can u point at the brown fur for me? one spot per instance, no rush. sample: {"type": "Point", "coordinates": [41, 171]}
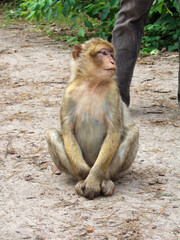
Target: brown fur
{"type": "Point", "coordinates": [95, 142]}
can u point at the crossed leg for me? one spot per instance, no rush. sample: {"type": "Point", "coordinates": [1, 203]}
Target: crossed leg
{"type": "Point", "coordinates": [57, 152]}
{"type": "Point", "coordinates": [122, 160]}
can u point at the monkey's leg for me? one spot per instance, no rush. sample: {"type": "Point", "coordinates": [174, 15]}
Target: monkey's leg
{"type": "Point", "coordinates": [57, 152]}
{"type": "Point", "coordinates": [122, 160]}
{"type": "Point", "coordinates": [125, 154]}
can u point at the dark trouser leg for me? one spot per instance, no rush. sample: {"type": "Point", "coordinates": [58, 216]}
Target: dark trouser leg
{"type": "Point", "coordinates": [179, 66]}
{"type": "Point", "coordinates": [179, 77]}
{"type": "Point", "coordinates": [126, 38]}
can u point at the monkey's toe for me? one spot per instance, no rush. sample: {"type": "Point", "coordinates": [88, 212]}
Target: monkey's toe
{"type": "Point", "coordinates": [107, 187]}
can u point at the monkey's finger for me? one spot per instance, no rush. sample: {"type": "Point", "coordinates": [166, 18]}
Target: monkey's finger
{"type": "Point", "coordinates": [79, 188]}
{"type": "Point", "coordinates": [91, 193]}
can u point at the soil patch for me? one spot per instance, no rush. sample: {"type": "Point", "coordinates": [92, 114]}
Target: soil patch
{"type": "Point", "coordinates": [36, 204]}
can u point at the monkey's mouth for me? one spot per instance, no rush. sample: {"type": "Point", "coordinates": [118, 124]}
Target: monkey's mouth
{"type": "Point", "coordinates": [112, 70]}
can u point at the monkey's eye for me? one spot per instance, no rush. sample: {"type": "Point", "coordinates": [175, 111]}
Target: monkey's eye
{"type": "Point", "coordinates": [104, 52]}
{"type": "Point", "coordinates": [112, 55]}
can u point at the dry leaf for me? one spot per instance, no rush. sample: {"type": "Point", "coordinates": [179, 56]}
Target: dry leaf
{"type": "Point", "coordinates": [89, 229]}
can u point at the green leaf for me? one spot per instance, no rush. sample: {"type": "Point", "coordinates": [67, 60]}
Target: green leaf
{"type": "Point", "coordinates": [50, 2]}
{"type": "Point", "coordinates": [104, 13]}
{"type": "Point", "coordinates": [90, 8]}
{"type": "Point", "coordinates": [175, 36]}
{"type": "Point", "coordinates": [97, 9]}
{"type": "Point", "coordinates": [74, 26]}
{"type": "Point", "coordinates": [114, 3]}
{"type": "Point", "coordinates": [33, 6]}
{"type": "Point", "coordinates": [175, 5]}
{"type": "Point", "coordinates": [49, 15]}
{"type": "Point", "coordinates": [81, 32]}
{"type": "Point", "coordinates": [74, 17]}
{"type": "Point", "coordinates": [55, 12]}
{"type": "Point", "coordinates": [71, 2]}
{"type": "Point", "coordinates": [154, 52]}
{"type": "Point", "coordinates": [31, 15]}
{"type": "Point", "coordinates": [42, 3]}
{"type": "Point", "coordinates": [70, 39]}
{"type": "Point", "coordinates": [102, 35]}
{"type": "Point", "coordinates": [46, 6]}
{"type": "Point", "coordinates": [88, 24]}
{"type": "Point", "coordinates": [172, 48]}
{"type": "Point", "coordinates": [159, 8]}
{"type": "Point", "coordinates": [38, 16]}
{"type": "Point", "coordinates": [23, 5]}
{"type": "Point", "coordinates": [66, 8]}
{"type": "Point", "coordinates": [157, 38]}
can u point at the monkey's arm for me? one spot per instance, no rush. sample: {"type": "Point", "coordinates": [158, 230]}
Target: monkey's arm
{"type": "Point", "coordinates": [106, 154]}
{"type": "Point", "coordinates": [71, 146]}
{"type": "Point", "coordinates": [114, 121]}
{"type": "Point", "coordinates": [91, 186]}
{"type": "Point", "coordinates": [74, 154]}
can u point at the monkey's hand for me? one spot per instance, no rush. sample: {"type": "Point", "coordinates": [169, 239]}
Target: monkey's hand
{"type": "Point", "coordinates": [89, 188]}
{"type": "Point", "coordinates": [107, 187]}
{"type": "Point", "coordinates": [83, 171]}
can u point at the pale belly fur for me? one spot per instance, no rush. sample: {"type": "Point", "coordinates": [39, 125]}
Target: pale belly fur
{"type": "Point", "coordinates": [90, 134]}
{"type": "Point", "coordinates": [90, 126]}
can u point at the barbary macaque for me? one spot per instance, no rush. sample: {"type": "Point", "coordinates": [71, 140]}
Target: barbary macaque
{"type": "Point", "coordinates": [94, 143]}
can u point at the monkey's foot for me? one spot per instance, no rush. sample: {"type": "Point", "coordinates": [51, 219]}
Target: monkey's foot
{"type": "Point", "coordinates": [107, 187]}
{"type": "Point", "coordinates": [88, 189]}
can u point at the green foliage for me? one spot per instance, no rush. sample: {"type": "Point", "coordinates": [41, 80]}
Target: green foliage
{"type": "Point", "coordinates": [41, 9]}
{"type": "Point", "coordinates": [163, 28]}
{"type": "Point", "coordinates": [12, 9]}
{"type": "Point", "coordinates": [97, 18]}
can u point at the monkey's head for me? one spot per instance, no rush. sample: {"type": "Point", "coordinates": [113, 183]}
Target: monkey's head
{"type": "Point", "coordinates": [94, 59]}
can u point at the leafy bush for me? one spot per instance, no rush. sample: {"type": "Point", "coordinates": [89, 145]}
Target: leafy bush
{"type": "Point", "coordinates": [97, 18]}
{"type": "Point", "coordinates": [12, 8]}
{"type": "Point", "coordinates": [48, 9]}
{"type": "Point", "coordinates": [163, 28]}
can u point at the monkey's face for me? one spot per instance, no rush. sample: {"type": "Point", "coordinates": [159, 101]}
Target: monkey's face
{"type": "Point", "coordinates": [104, 62]}
{"type": "Point", "coordinates": [95, 59]}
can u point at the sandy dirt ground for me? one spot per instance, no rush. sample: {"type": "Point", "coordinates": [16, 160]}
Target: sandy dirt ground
{"type": "Point", "coordinates": [36, 204]}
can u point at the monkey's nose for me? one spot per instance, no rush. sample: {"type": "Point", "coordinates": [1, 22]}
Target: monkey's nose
{"type": "Point", "coordinates": [113, 62]}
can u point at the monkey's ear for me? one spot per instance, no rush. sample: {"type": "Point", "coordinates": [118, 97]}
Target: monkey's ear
{"type": "Point", "coordinates": [76, 52]}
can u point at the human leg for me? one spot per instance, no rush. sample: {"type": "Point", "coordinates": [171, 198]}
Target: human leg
{"type": "Point", "coordinates": [126, 38]}
{"type": "Point", "coordinates": [179, 66]}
